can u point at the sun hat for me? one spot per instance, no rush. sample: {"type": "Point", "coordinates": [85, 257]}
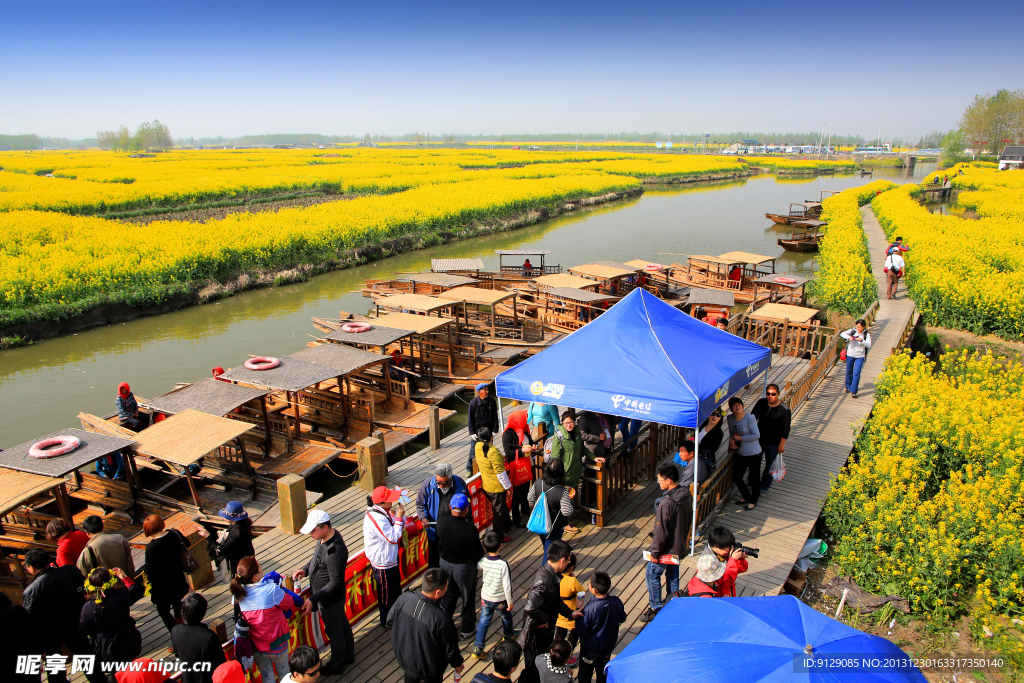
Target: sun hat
{"type": "Point", "coordinates": [382, 494]}
{"type": "Point", "coordinates": [234, 511]}
{"type": "Point", "coordinates": [459, 502]}
{"type": "Point", "coordinates": [709, 567]}
{"type": "Point", "coordinates": [314, 518]}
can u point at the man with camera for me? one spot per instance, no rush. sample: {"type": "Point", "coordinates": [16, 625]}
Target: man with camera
{"type": "Point", "coordinates": [718, 566]}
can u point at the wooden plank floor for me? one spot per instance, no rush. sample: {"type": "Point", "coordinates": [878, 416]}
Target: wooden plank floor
{"type": "Point", "coordinates": [821, 441]}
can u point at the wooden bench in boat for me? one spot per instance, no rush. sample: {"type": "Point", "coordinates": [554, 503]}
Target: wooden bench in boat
{"type": "Point", "coordinates": [105, 494]}
{"type": "Point", "coordinates": [302, 463]}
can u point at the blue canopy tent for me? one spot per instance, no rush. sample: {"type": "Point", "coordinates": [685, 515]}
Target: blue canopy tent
{"type": "Point", "coordinates": [641, 359]}
{"type": "Point", "coordinates": [762, 639]}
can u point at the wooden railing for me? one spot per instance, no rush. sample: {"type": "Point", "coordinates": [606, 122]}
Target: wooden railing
{"type": "Point", "coordinates": [783, 337]}
{"type": "Point", "coordinates": [908, 332]}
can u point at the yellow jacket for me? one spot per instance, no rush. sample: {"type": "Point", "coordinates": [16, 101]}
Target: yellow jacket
{"type": "Point", "coordinates": [491, 464]}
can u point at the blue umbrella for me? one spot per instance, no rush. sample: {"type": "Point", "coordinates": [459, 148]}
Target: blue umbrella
{"type": "Point", "coordinates": [772, 638]}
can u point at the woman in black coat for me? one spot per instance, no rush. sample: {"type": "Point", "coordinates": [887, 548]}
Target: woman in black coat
{"type": "Point", "coordinates": [164, 569]}
{"type": "Point", "coordinates": [238, 542]}
{"type": "Point", "coordinates": [106, 618]}
{"type": "Point", "coordinates": [711, 435]}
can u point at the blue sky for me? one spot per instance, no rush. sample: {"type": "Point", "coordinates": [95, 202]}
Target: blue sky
{"type": "Point", "coordinates": [231, 68]}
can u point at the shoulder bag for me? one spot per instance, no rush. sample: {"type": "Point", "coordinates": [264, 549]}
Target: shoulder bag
{"type": "Point", "coordinates": [189, 564]}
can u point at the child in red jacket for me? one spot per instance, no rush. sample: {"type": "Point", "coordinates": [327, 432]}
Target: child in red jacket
{"type": "Point", "coordinates": [718, 566]}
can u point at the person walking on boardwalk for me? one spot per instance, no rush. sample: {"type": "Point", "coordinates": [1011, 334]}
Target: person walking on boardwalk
{"type": "Point", "coordinates": [599, 628]}
{"type": "Point", "coordinates": [495, 594]}
{"type": "Point", "coordinates": [54, 604]}
{"type": "Point", "coordinates": [744, 439]}
{"type": "Point", "coordinates": [106, 619]}
{"type": "Point", "coordinates": [328, 592]}
{"type": "Point", "coordinates": [433, 502]}
{"type": "Point", "coordinates": [894, 265]}
{"type": "Point", "coordinates": [495, 482]}
{"type": "Point", "coordinates": [104, 550]}
{"type": "Point", "coordinates": [543, 605]}
{"type": "Point", "coordinates": [773, 423]}
{"type": "Point", "coordinates": [422, 635]}
{"type": "Point", "coordinates": [551, 490]}
{"type": "Point", "coordinates": [237, 541]}
{"type": "Point", "coordinates": [164, 569]}
{"type": "Point", "coordinates": [517, 443]}
{"type": "Point", "coordinates": [483, 412]}
{"type": "Point", "coordinates": [264, 604]}
{"type": "Point", "coordinates": [382, 536]}
{"type": "Point", "coordinates": [567, 446]}
{"type": "Point", "coordinates": [195, 642]}
{"type": "Point", "coordinates": [671, 537]}
{"type": "Point", "coordinates": [458, 544]}
{"type": "Point", "coordinates": [858, 341]}
{"type": "Point", "coordinates": [505, 659]}
{"type": "Point", "coordinates": [70, 541]}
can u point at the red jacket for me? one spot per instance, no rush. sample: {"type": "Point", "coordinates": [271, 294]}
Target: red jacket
{"type": "Point", "coordinates": [725, 587]}
{"type": "Point", "coordinates": [70, 547]}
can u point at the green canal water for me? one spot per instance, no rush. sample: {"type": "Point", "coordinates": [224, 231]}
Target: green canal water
{"type": "Point", "coordinates": [44, 386]}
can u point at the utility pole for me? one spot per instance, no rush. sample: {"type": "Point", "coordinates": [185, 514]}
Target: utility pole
{"type": "Point", "coordinates": [829, 148]}
{"type": "Point", "coordinates": [821, 138]}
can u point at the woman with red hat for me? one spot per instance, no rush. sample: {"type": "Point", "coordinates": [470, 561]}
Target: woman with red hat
{"type": "Point", "coordinates": [382, 535]}
{"type": "Point", "coordinates": [128, 409]}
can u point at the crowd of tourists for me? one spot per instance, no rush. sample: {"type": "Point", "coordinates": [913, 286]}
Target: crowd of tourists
{"type": "Point", "coordinates": [82, 600]}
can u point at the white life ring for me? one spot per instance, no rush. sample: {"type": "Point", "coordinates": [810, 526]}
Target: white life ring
{"type": "Point", "coordinates": [653, 267]}
{"type": "Point", "coordinates": [41, 449]}
{"type": "Point", "coordinates": [785, 280]}
{"type": "Point", "coordinates": [356, 328]}
{"type": "Point", "coordinates": [262, 363]}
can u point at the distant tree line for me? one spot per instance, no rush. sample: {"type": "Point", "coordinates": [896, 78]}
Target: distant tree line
{"type": "Point", "coordinates": [32, 141]}
{"type": "Point", "coordinates": [149, 135]}
{"type": "Point", "coordinates": [989, 123]}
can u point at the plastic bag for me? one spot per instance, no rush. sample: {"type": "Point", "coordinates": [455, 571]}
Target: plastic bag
{"type": "Point", "coordinates": [540, 521]}
{"type": "Point", "coordinates": [778, 469]}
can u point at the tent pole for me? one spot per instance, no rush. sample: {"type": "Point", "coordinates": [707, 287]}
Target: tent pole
{"type": "Point", "coordinates": [764, 388]}
{"type": "Point", "coordinates": [501, 416]}
{"type": "Point", "coordinates": [696, 483]}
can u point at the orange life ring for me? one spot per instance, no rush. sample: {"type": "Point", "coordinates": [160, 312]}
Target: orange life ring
{"type": "Point", "coordinates": [356, 328]}
{"type": "Point", "coordinates": [785, 280]}
{"type": "Point", "coordinates": [262, 363]}
{"type": "Point", "coordinates": [41, 449]}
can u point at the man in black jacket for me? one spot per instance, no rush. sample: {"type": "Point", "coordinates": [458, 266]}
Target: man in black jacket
{"type": "Point", "coordinates": [54, 603]}
{"type": "Point", "coordinates": [543, 605]}
{"type": "Point", "coordinates": [773, 422]}
{"type": "Point", "coordinates": [326, 571]}
{"type": "Point", "coordinates": [671, 537]}
{"type": "Point", "coordinates": [458, 544]}
{"type": "Point", "coordinates": [483, 412]}
{"type": "Point", "coordinates": [422, 635]}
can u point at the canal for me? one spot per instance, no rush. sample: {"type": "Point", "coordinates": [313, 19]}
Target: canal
{"type": "Point", "coordinates": [44, 386]}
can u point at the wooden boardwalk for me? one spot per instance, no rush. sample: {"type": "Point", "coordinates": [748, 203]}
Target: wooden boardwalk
{"type": "Point", "coordinates": [820, 442]}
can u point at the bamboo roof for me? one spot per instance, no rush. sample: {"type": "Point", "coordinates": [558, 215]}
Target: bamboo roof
{"type": "Point", "coordinates": [641, 264]}
{"type": "Point", "coordinates": [725, 259]}
{"type": "Point", "coordinates": [18, 487]}
{"type": "Point", "coordinates": [475, 295]}
{"type": "Point", "coordinates": [344, 359]}
{"type": "Point", "coordinates": [441, 279]}
{"type": "Point", "coordinates": [603, 271]}
{"type": "Point", "coordinates": [711, 297]}
{"type": "Point", "coordinates": [444, 265]}
{"type": "Point", "coordinates": [796, 314]}
{"type": "Point", "coordinates": [291, 375]}
{"type": "Point", "coordinates": [184, 438]}
{"type": "Point", "coordinates": [746, 257]}
{"type": "Point", "coordinates": [769, 279]}
{"type": "Point", "coordinates": [578, 295]}
{"type": "Point", "coordinates": [414, 302]}
{"type": "Point", "coordinates": [522, 252]}
{"type": "Point", "coordinates": [564, 280]}
{"type": "Point", "coordinates": [377, 335]}
{"type": "Point", "coordinates": [208, 396]}
{"type": "Point", "coordinates": [420, 324]}
{"type": "Point", "coordinates": [93, 447]}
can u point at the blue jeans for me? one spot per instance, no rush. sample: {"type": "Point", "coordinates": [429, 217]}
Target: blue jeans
{"type": "Point", "coordinates": [629, 428]}
{"type": "Point", "coordinates": [770, 453]}
{"type": "Point", "coordinates": [654, 572]}
{"type": "Point", "coordinates": [853, 366]}
{"type": "Point", "coordinates": [487, 610]}
{"type": "Point", "coordinates": [547, 540]}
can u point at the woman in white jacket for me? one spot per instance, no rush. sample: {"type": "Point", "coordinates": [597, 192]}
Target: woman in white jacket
{"type": "Point", "coordinates": [858, 341]}
{"type": "Point", "coordinates": [383, 524]}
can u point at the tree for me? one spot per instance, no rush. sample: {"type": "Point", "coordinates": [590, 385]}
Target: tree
{"type": "Point", "coordinates": [953, 148]}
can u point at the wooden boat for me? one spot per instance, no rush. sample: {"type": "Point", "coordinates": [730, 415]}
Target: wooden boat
{"type": "Point", "coordinates": [805, 237]}
{"type": "Point", "coordinates": [797, 211]}
{"type": "Point", "coordinates": [781, 288]}
{"type": "Point", "coordinates": [564, 309]}
{"type": "Point", "coordinates": [519, 270]}
{"type": "Point", "coordinates": [866, 171]}
{"type": "Point", "coordinates": [710, 304]}
{"type": "Point", "coordinates": [614, 278]}
{"type": "Point", "coordinates": [734, 271]}
{"type": "Point", "coordinates": [418, 283]}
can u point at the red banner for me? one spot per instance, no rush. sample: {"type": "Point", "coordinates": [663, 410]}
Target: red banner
{"type": "Point", "coordinates": [483, 511]}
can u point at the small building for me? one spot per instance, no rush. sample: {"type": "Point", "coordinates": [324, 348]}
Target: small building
{"type": "Point", "coordinates": [1011, 158]}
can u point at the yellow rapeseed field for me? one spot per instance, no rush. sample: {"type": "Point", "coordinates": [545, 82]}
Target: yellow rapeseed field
{"type": "Point", "coordinates": [965, 273]}
{"type": "Point", "coordinates": [932, 507]}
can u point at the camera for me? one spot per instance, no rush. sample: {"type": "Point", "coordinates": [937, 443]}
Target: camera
{"type": "Point", "coordinates": [751, 552]}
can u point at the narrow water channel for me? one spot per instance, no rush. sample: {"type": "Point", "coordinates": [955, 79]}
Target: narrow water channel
{"type": "Point", "coordinates": [44, 386]}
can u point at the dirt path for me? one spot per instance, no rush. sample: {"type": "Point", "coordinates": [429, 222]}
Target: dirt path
{"type": "Point", "coordinates": [204, 215]}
